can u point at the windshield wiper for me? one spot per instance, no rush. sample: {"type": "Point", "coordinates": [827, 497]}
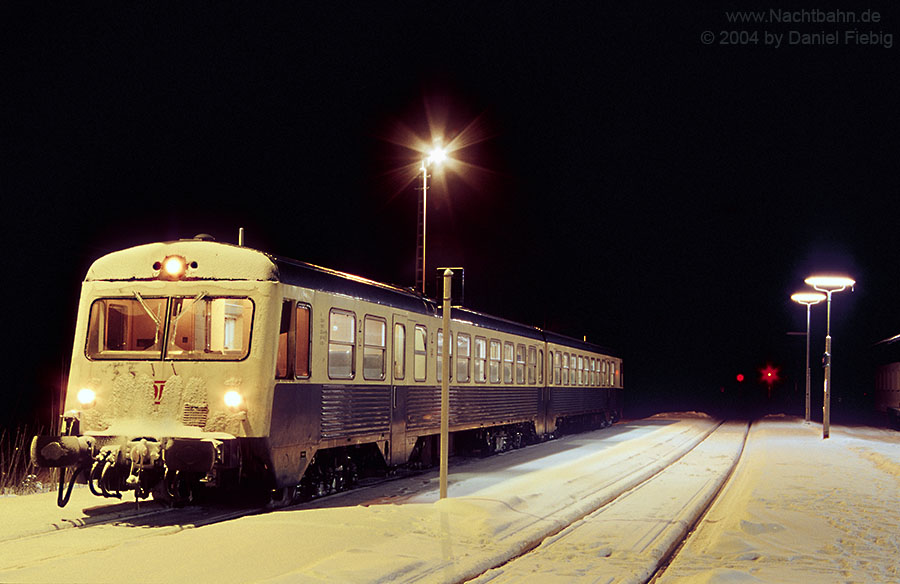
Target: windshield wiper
{"type": "Point", "coordinates": [156, 319]}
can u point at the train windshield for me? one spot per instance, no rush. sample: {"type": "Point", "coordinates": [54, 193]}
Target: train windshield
{"type": "Point", "coordinates": [182, 328]}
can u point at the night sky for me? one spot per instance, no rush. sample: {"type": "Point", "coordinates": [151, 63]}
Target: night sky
{"type": "Point", "coordinates": [625, 180]}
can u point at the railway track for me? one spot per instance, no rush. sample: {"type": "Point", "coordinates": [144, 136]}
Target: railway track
{"type": "Point", "coordinates": [505, 517]}
{"type": "Point", "coordinates": [633, 537]}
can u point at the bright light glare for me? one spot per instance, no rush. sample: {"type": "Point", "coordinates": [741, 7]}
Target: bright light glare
{"type": "Point", "coordinates": [808, 297]}
{"type": "Point", "coordinates": [832, 283]}
{"type": "Point", "coordinates": [86, 396]}
{"type": "Point", "coordinates": [174, 266]}
{"type": "Point", "coordinates": [233, 399]}
{"type": "Point", "coordinates": [437, 156]}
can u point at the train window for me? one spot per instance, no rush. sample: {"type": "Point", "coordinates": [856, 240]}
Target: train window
{"type": "Point", "coordinates": [557, 377]}
{"type": "Point", "coordinates": [580, 370]}
{"type": "Point", "coordinates": [495, 361]}
{"type": "Point", "coordinates": [520, 364]}
{"type": "Point", "coordinates": [593, 371]}
{"type": "Point", "coordinates": [281, 362]}
{"type": "Point", "coordinates": [204, 327]}
{"type": "Point", "coordinates": [439, 359]}
{"type": "Point", "coordinates": [540, 367]}
{"type": "Point", "coordinates": [126, 328]}
{"type": "Point", "coordinates": [341, 344]}
{"type": "Point", "coordinates": [532, 365]}
{"type": "Point", "coordinates": [565, 369]}
{"type": "Point", "coordinates": [399, 351]}
{"type": "Point", "coordinates": [463, 346]}
{"type": "Point", "coordinates": [508, 356]}
{"type": "Point", "coordinates": [374, 347]}
{"type": "Point", "coordinates": [480, 358]}
{"type": "Point", "coordinates": [301, 348]}
{"type": "Point", "coordinates": [604, 379]}
{"type": "Point", "coordinates": [420, 360]}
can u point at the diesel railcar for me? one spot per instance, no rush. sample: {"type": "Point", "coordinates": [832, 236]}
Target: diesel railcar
{"type": "Point", "coordinates": [198, 363]}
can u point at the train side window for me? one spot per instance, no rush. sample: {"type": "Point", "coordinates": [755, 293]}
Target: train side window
{"type": "Point", "coordinates": [341, 344]}
{"type": "Point", "coordinates": [520, 364]}
{"type": "Point", "coordinates": [593, 371]}
{"type": "Point", "coordinates": [580, 370]}
{"type": "Point", "coordinates": [480, 358]}
{"type": "Point", "coordinates": [495, 361]}
{"type": "Point", "coordinates": [439, 359]}
{"type": "Point", "coordinates": [565, 369]}
{"type": "Point", "coordinates": [399, 350]}
{"type": "Point", "coordinates": [557, 376]}
{"type": "Point", "coordinates": [603, 374]}
{"type": "Point", "coordinates": [282, 367]}
{"type": "Point", "coordinates": [532, 365]}
{"type": "Point", "coordinates": [540, 367]}
{"type": "Point", "coordinates": [420, 358]}
{"type": "Point", "coordinates": [463, 347]}
{"type": "Point", "coordinates": [301, 348]}
{"type": "Point", "coordinates": [508, 359]}
{"type": "Point", "coordinates": [374, 347]}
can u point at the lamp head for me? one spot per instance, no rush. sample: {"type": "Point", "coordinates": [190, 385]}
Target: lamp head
{"type": "Point", "coordinates": [808, 298]}
{"type": "Point", "coordinates": [830, 283]}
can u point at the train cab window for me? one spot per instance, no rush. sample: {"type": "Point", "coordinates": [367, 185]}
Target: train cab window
{"type": "Point", "coordinates": [374, 347]}
{"type": "Point", "coordinates": [508, 359]}
{"type": "Point", "coordinates": [209, 328]}
{"type": "Point", "coordinates": [399, 351]}
{"type": "Point", "coordinates": [532, 365]}
{"type": "Point", "coordinates": [121, 328]}
{"type": "Point", "coordinates": [557, 376]}
{"type": "Point", "coordinates": [439, 359]}
{"type": "Point", "coordinates": [463, 348]}
{"type": "Point", "coordinates": [420, 358]}
{"type": "Point", "coordinates": [281, 362]}
{"type": "Point", "coordinates": [301, 346]}
{"type": "Point", "coordinates": [540, 367]}
{"type": "Point", "coordinates": [520, 364]}
{"type": "Point", "coordinates": [565, 369]}
{"type": "Point", "coordinates": [341, 344]}
{"type": "Point", "coordinates": [495, 361]}
{"type": "Point", "coordinates": [480, 358]}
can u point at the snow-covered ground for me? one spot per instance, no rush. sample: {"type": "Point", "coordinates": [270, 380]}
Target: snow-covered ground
{"type": "Point", "coordinates": [803, 509]}
{"type": "Point", "coordinates": [797, 509]}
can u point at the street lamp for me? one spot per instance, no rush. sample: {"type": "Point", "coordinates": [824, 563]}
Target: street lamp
{"type": "Point", "coordinates": [807, 298]}
{"type": "Point", "coordinates": [436, 157]}
{"type": "Point", "coordinates": [828, 284]}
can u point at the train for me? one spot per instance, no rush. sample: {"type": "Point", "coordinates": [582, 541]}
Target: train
{"type": "Point", "coordinates": [886, 354]}
{"type": "Point", "coordinates": [201, 364]}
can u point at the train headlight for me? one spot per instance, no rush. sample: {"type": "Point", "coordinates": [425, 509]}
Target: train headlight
{"type": "Point", "coordinates": [174, 267]}
{"type": "Point", "coordinates": [234, 400]}
{"type": "Point", "coordinates": [86, 397]}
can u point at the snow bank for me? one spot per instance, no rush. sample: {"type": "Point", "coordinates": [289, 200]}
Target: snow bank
{"type": "Point", "coordinates": [803, 509]}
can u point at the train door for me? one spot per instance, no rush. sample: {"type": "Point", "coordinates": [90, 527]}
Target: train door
{"type": "Point", "coordinates": [401, 373]}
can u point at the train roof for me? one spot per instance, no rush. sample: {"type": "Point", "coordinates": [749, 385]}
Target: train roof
{"type": "Point", "coordinates": [206, 260]}
{"type": "Point", "coordinates": [312, 276]}
{"type": "Point", "coordinates": [211, 260]}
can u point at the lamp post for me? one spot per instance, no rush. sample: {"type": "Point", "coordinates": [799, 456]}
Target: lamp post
{"type": "Point", "coordinates": [436, 157]}
{"type": "Point", "coordinates": [828, 284]}
{"type": "Point", "coordinates": [807, 298]}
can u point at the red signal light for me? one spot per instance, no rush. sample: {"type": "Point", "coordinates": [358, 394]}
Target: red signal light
{"type": "Point", "coordinates": [769, 375]}
{"type": "Point", "coordinates": [740, 377]}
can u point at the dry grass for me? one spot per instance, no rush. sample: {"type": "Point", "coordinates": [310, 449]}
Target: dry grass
{"type": "Point", "coordinates": [18, 475]}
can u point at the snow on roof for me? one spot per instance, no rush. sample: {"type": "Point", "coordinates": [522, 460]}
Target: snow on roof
{"type": "Point", "coordinates": [207, 260]}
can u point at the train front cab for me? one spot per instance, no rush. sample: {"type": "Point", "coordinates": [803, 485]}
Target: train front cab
{"type": "Point", "coordinates": [169, 386]}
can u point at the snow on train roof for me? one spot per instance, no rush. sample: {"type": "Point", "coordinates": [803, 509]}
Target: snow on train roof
{"type": "Point", "coordinates": [206, 260]}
